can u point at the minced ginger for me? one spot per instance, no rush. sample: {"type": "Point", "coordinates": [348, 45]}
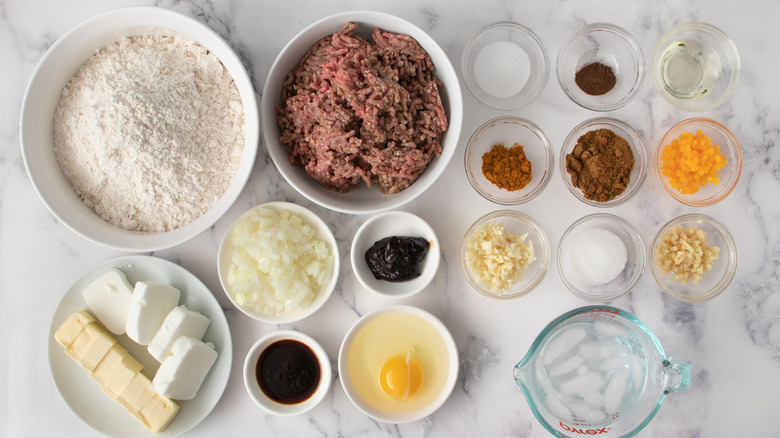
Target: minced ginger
{"type": "Point", "coordinates": [691, 161]}
{"type": "Point", "coordinates": [498, 258]}
{"type": "Point", "coordinates": [685, 252]}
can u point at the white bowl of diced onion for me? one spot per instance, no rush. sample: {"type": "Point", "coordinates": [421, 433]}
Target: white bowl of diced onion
{"type": "Point", "coordinates": [278, 262]}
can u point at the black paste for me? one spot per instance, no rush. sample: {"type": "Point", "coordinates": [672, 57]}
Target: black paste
{"type": "Point", "coordinates": [288, 371]}
{"type": "Point", "coordinates": [397, 258]}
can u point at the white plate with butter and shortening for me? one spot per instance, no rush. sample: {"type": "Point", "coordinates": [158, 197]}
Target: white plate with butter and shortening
{"type": "Point", "coordinates": [85, 397]}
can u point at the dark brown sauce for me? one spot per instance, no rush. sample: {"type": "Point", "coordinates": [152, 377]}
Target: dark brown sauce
{"type": "Point", "coordinates": [288, 371]}
{"type": "Point", "coordinates": [397, 258]}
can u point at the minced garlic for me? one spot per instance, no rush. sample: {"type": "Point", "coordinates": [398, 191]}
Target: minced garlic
{"type": "Point", "coordinates": [685, 252]}
{"type": "Point", "coordinates": [498, 258]}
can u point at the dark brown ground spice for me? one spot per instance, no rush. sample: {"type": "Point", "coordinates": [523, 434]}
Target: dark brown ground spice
{"type": "Point", "coordinates": [600, 165]}
{"type": "Point", "coordinates": [508, 169]}
{"type": "Point", "coordinates": [595, 79]}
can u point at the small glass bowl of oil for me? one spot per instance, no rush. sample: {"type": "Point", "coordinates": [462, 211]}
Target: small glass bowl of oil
{"type": "Point", "coordinates": [696, 66]}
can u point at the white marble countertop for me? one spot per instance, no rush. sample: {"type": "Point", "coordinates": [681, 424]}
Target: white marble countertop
{"type": "Point", "coordinates": [733, 340]}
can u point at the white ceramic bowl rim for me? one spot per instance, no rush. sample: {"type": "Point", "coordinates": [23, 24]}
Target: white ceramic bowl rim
{"type": "Point", "coordinates": [257, 394]}
{"type": "Point", "coordinates": [360, 200]}
{"type": "Point", "coordinates": [446, 337]}
{"type": "Point", "coordinates": [56, 68]}
{"type": "Point", "coordinates": [323, 232]}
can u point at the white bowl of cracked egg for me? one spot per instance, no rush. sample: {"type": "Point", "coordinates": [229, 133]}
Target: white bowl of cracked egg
{"type": "Point", "coordinates": [179, 203]}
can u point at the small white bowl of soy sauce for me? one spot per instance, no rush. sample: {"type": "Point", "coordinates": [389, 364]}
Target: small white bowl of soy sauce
{"type": "Point", "coordinates": [287, 373]}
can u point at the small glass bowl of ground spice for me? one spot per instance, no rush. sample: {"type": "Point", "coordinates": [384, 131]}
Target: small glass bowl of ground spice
{"type": "Point", "coordinates": [694, 258]}
{"type": "Point", "coordinates": [509, 160]}
{"type": "Point", "coordinates": [505, 65]}
{"type": "Point", "coordinates": [505, 254]}
{"type": "Point", "coordinates": [699, 162]}
{"type": "Point", "coordinates": [601, 67]}
{"type": "Point", "coordinates": [403, 231]}
{"type": "Point", "coordinates": [600, 257]}
{"type": "Point", "coordinates": [603, 162]}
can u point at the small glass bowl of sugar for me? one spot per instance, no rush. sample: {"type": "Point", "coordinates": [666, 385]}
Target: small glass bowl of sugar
{"type": "Point", "coordinates": [505, 65]}
{"type": "Point", "coordinates": [600, 257]}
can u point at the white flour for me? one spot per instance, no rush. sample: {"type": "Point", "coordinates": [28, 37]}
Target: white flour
{"type": "Point", "coordinates": [150, 132]}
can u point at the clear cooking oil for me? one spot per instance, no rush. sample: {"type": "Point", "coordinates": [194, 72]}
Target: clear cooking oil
{"type": "Point", "coordinates": [689, 69]}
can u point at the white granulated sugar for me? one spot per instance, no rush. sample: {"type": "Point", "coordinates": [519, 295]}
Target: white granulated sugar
{"type": "Point", "coordinates": [502, 69]}
{"type": "Point", "coordinates": [150, 132]}
{"type": "Point", "coordinates": [599, 256]}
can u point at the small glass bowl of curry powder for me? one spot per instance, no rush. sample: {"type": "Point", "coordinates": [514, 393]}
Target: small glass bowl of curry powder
{"type": "Point", "coordinates": [509, 160]}
{"type": "Point", "coordinates": [603, 162]}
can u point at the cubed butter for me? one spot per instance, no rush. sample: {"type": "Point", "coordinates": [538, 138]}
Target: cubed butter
{"type": "Point", "coordinates": [118, 373]}
{"type": "Point", "coordinates": [83, 341]}
{"type": "Point", "coordinates": [179, 322]}
{"type": "Point", "coordinates": [138, 392]}
{"type": "Point", "coordinates": [113, 356]}
{"type": "Point", "coordinates": [67, 332]}
{"type": "Point", "coordinates": [121, 375]}
{"type": "Point", "coordinates": [183, 371]}
{"type": "Point", "coordinates": [108, 297]}
{"type": "Point", "coordinates": [150, 303]}
{"type": "Point", "coordinates": [159, 412]}
{"type": "Point", "coordinates": [95, 353]}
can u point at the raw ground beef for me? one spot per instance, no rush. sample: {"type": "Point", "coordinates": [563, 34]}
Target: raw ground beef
{"type": "Point", "coordinates": [358, 110]}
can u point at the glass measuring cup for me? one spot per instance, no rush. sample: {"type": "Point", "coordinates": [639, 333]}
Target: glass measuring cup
{"type": "Point", "coordinates": [598, 370]}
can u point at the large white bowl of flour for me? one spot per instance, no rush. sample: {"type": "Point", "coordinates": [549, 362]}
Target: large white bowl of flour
{"type": "Point", "coordinates": [40, 103]}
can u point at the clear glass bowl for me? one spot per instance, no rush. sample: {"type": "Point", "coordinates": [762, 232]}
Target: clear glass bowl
{"type": "Point", "coordinates": [527, 40]}
{"type": "Point", "coordinates": [715, 280]}
{"type": "Point", "coordinates": [696, 66]}
{"type": "Point", "coordinates": [710, 193]}
{"type": "Point", "coordinates": [519, 224]}
{"type": "Point", "coordinates": [638, 173]}
{"type": "Point", "coordinates": [510, 130]}
{"type": "Point", "coordinates": [609, 45]}
{"type": "Point", "coordinates": [570, 269]}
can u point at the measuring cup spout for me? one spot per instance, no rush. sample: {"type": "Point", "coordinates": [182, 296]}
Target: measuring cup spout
{"type": "Point", "coordinates": [678, 375]}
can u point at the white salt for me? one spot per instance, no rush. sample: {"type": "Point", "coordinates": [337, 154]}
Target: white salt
{"type": "Point", "coordinates": [502, 69]}
{"type": "Point", "coordinates": [598, 255]}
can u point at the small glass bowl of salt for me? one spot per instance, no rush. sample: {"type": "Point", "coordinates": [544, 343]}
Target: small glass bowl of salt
{"type": "Point", "coordinates": [600, 257]}
{"type": "Point", "coordinates": [505, 65]}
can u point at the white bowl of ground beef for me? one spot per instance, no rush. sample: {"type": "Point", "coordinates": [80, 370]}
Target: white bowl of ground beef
{"type": "Point", "coordinates": [330, 162]}
{"type": "Point", "coordinates": [139, 128]}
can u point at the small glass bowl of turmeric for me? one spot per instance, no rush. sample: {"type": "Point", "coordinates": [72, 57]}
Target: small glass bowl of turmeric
{"type": "Point", "coordinates": [693, 258]}
{"type": "Point", "coordinates": [699, 162]}
{"type": "Point", "coordinates": [509, 160]}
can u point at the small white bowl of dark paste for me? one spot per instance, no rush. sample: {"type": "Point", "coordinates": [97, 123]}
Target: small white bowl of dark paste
{"type": "Point", "coordinates": [395, 254]}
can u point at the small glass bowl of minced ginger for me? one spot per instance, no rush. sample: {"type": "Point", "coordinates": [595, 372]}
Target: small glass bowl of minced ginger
{"type": "Point", "coordinates": [514, 262]}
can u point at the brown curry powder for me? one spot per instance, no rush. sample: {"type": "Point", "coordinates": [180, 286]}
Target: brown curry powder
{"type": "Point", "coordinates": [507, 168]}
{"type": "Point", "coordinates": [600, 165]}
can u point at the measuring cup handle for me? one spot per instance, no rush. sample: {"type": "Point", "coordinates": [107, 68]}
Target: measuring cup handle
{"type": "Point", "coordinates": [678, 375]}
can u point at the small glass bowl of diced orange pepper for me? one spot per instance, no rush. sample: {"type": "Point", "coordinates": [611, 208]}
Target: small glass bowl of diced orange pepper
{"type": "Point", "coordinates": [699, 162]}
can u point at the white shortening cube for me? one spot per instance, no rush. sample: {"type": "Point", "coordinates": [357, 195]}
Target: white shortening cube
{"type": "Point", "coordinates": [183, 371]}
{"type": "Point", "coordinates": [149, 305]}
{"type": "Point", "coordinates": [180, 321]}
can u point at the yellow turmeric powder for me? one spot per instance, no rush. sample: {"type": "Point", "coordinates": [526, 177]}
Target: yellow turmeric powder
{"type": "Point", "coordinates": [508, 169]}
{"type": "Point", "coordinates": [691, 161]}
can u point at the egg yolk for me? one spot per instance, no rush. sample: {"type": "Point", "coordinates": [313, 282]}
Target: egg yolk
{"type": "Point", "coordinates": [401, 376]}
